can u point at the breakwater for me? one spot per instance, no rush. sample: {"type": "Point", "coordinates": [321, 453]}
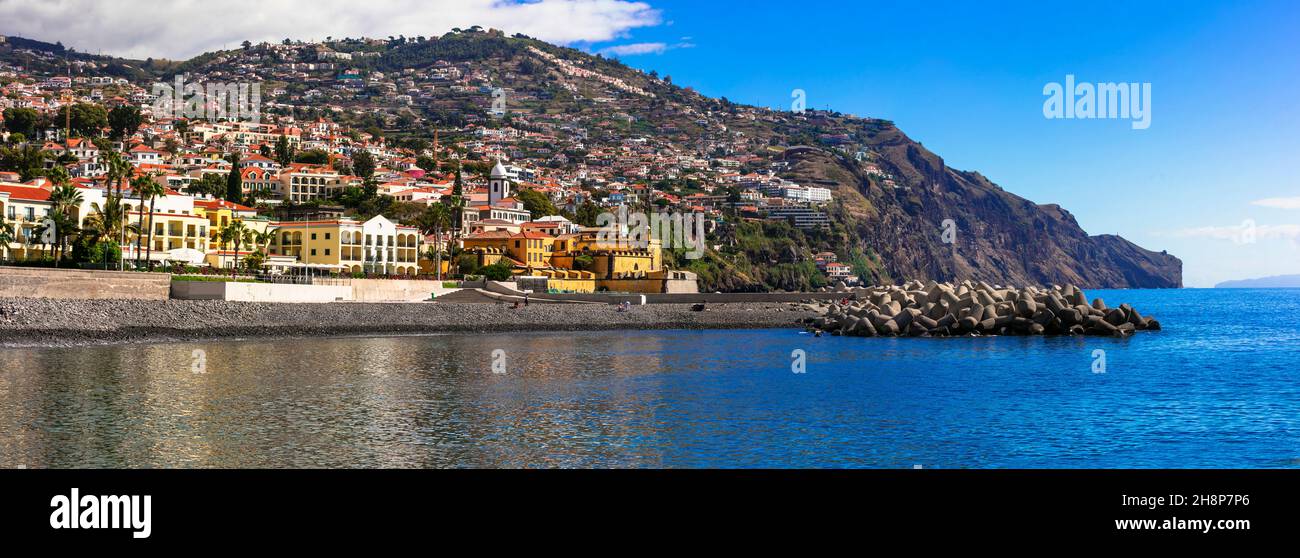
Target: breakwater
{"type": "Point", "coordinates": [944, 309]}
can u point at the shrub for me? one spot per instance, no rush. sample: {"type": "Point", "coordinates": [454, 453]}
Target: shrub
{"type": "Point", "coordinates": [499, 271]}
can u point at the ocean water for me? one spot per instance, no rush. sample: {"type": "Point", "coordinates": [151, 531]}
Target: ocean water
{"type": "Point", "coordinates": [1217, 388]}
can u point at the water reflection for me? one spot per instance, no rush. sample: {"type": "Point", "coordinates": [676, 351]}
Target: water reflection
{"type": "Point", "coordinates": [1206, 396]}
{"type": "Point", "coordinates": [412, 401]}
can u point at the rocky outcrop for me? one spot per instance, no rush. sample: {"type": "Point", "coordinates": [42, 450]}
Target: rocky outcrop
{"type": "Point", "coordinates": [974, 308]}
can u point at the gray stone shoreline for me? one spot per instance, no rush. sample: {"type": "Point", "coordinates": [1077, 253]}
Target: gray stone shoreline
{"type": "Point", "coordinates": [63, 323]}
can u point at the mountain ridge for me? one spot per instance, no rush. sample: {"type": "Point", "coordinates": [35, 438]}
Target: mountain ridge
{"type": "Point", "coordinates": [1272, 282]}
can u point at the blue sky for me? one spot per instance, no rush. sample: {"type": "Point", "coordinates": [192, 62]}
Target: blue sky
{"type": "Point", "coordinates": [966, 79]}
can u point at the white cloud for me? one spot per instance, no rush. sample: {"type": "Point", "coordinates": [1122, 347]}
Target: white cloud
{"type": "Point", "coordinates": [635, 49]}
{"type": "Point", "coordinates": [1278, 203]}
{"type": "Point", "coordinates": [184, 28]}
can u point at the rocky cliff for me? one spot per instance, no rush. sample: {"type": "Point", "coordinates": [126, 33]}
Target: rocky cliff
{"type": "Point", "coordinates": [897, 205]}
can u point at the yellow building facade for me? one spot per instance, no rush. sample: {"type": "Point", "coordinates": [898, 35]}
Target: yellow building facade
{"type": "Point", "coordinates": [580, 262]}
{"type": "Point", "coordinates": [376, 246]}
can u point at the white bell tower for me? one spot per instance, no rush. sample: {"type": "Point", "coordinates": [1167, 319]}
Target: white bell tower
{"type": "Point", "coordinates": [498, 184]}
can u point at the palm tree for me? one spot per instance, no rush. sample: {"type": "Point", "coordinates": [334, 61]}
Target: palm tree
{"type": "Point", "coordinates": [6, 236]}
{"type": "Point", "coordinates": [225, 236]}
{"type": "Point", "coordinates": [148, 190]}
{"type": "Point", "coordinates": [261, 241]}
{"type": "Point", "coordinates": [434, 220]}
{"type": "Point", "coordinates": [119, 170]}
{"type": "Point", "coordinates": [39, 233]}
{"type": "Point", "coordinates": [66, 200]}
{"type": "Point", "coordinates": [237, 235]}
{"type": "Point", "coordinates": [250, 240]}
{"type": "Point", "coordinates": [110, 221]}
{"type": "Point", "coordinates": [457, 213]}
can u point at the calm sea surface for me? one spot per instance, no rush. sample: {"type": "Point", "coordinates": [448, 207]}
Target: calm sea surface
{"type": "Point", "coordinates": [1219, 387]}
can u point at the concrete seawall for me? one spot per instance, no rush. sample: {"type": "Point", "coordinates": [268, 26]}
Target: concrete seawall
{"type": "Point", "coordinates": [352, 290]}
{"type": "Point", "coordinates": [78, 284]}
{"type": "Point", "coordinates": [258, 292]}
{"type": "Point", "coordinates": [28, 322]}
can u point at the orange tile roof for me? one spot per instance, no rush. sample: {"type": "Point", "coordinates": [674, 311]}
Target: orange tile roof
{"type": "Point", "coordinates": [25, 192]}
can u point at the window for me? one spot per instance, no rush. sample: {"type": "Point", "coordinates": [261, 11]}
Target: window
{"type": "Point", "coordinates": [313, 236]}
{"type": "Point", "coordinates": [327, 237]}
{"type": "Point", "coordinates": [31, 213]}
{"type": "Point", "coordinates": [327, 251]}
{"type": "Point", "coordinates": [313, 251]}
{"type": "Point", "coordinates": [13, 212]}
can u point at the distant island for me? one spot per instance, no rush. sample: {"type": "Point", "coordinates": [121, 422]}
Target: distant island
{"type": "Point", "coordinates": [1276, 282]}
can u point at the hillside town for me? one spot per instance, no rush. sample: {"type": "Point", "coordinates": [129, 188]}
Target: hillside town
{"type": "Point", "coordinates": [324, 175]}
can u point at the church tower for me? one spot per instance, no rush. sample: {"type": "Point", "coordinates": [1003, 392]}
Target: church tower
{"type": "Point", "coordinates": [498, 185]}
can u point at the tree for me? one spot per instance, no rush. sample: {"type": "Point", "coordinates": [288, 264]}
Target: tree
{"type": "Point", "coordinates": [109, 223]}
{"type": "Point", "coordinates": [22, 121]}
{"type": "Point", "coordinates": [537, 203]}
{"type": "Point", "coordinates": [733, 198]}
{"type": "Point", "coordinates": [118, 169]}
{"type": "Point", "coordinates": [435, 219]}
{"type": "Point", "coordinates": [312, 157]}
{"type": "Point", "coordinates": [39, 233]}
{"type": "Point", "coordinates": [427, 163]}
{"type": "Point", "coordinates": [6, 237]}
{"type": "Point", "coordinates": [363, 164]}
{"type": "Point", "coordinates": [87, 120]}
{"type": "Point", "coordinates": [283, 151]}
{"type": "Point", "coordinates": [235, 233]}
{"type": "Point", "coordinates": [149, 190]}
{"type": "Point", "coordinates": [28, 160]}
{"type": "Point", "coordinates": [457, 207]}
{"type": "Point", "coordinates": [124, 120]}
{"type": "Point", "coordinates": [587, 215]}
{"type": "Point", "coordinates": [64, 199]}
{"type": "Point", "coordinates": [261, 241]}
{"type": "Point", "coordinates": [234, 181]}
{"type": "Point", "coordinates": [210, 184]}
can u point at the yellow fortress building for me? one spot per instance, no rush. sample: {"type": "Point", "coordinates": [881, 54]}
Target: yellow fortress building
{"type": "Point", "coordinates": [377, 246]}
